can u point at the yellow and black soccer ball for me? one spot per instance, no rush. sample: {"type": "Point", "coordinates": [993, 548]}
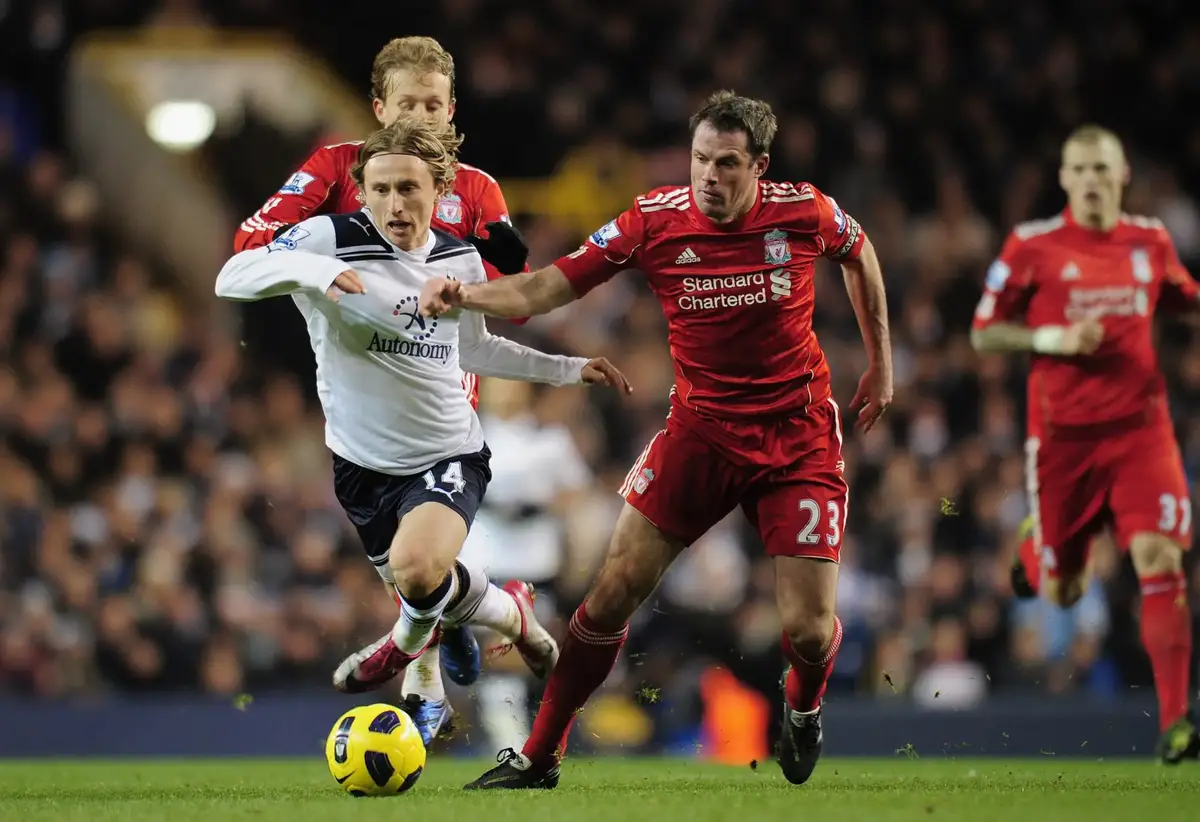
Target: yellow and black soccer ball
{"type": "Point", "coordinates": [375, 750]}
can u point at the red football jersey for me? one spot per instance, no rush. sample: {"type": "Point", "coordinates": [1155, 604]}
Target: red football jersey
{"type": "Point", "coordinates": [1057, 272]}
{"type": "Point", "coordinates": [323, 186]}
{"type": "Point", "coordinates": [738, 296]}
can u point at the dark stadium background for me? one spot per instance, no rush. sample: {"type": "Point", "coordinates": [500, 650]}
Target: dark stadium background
{"type": "Point", "coordinates": [134, 559]}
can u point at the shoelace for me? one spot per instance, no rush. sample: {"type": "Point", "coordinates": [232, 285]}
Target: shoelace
{"type": "Point", "coordinates": [507, 755]}
{"type": "Point", "coordinates": [809, 732]}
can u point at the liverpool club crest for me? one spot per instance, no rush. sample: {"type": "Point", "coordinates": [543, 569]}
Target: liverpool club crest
{"type": "Point", "coordinates": [776, 249]}
{"type": "Point", "coordinates": [449, 209]}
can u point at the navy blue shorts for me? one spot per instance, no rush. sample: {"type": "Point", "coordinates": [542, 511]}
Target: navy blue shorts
{"type": "Point", "coordinates": [376, 502]}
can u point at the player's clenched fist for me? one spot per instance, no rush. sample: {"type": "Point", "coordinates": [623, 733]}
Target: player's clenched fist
{"type": "Point", "coordinates": [601, 372]}
{"type": "Point", "coordinates": [1082, 338]}
{"type": "Point", "coordinates": [440, 295]}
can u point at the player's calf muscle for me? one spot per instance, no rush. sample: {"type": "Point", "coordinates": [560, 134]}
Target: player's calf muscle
{"type": "Point", "coordinates": [637, 558]}
{"type": "Point", "coordinates": [806, 594]}
{"type": "Point", "coordinates": [424, 549]}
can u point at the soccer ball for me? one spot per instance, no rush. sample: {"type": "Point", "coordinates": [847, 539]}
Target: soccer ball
{"type": "Point", "coordinates": [375, 750]}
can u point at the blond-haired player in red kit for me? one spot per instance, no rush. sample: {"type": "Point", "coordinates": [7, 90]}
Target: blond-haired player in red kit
{"type": "Point", "coordinates": [1080, 291]}
{"type": "Point", "coordinates": [753, 423]}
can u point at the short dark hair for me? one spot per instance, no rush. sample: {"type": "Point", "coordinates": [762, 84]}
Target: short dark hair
{"type": "Point", "coordinates": [726, 112]}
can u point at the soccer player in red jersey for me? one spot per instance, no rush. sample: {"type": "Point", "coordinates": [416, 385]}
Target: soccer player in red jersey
{"type": "Point", "coordinates": [752, 421]}
{"type": "Point", "coordinates": [1080, 291]}
{"type": "Point", "coordinates": [410, 76]}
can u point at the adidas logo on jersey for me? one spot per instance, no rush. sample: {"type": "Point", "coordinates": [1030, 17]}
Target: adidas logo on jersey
{"type": "Point", "coordinates": [688, 256]}
{"type": "Point", "coordinates": [1070, 271]}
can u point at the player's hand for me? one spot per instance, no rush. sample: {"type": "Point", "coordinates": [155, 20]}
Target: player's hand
{"type": "Point", "coordinates": [873, 397]}
{"type": "Point", "coordinates": [1082, 338]}
{"type": "Point", "coordinates": [439, 295]}
{"type": "Point", "coordinates": [346, 283]}
{"type": "Point", "coordinates": [503, 247]}
{"type": "Point", "coordinates": [601, 372]}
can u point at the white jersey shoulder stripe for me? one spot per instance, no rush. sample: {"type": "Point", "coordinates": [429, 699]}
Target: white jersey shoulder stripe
{"type": "Point", "coordinates": [1036, 228]}
{"type": "Point", "coordinates": [476, 170]}
{"type": "Point", "coordinates": [1142, 221]}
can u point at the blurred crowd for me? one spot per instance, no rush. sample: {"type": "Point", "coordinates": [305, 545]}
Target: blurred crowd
{"type": "Point", "coordinates": [166, 510]}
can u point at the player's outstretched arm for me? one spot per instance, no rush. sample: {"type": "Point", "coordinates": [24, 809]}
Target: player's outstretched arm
{"type": "Point", "coordinates": [1073, 340]}
{"type": "Point", "coordinates": [292, 264]}
{"type": "Point", "coordinates": [488, 355]}
{"type": "Point", "coordinates": [518, 295]}
{"type": "Point", "coordinates": [864, 284]}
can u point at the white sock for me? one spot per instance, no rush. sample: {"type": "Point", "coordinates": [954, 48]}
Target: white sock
{"type": "Point", "coordinates": [498, 611]}
{"type": "Point", "coordinates": [424, 676]}
{"type": "Point", "coordinates": [484, 604]}
{"type": "Point", "coordinates": [415, 627]}
{"type": "Point", "coordinates": [504, 709]}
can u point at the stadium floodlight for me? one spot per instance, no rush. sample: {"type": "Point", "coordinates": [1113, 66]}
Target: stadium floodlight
{"type": "Point", "coordinates": [180, 125]}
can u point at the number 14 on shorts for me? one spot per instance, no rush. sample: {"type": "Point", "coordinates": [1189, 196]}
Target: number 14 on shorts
{"type": "Point", "coordinates": [450, 483]}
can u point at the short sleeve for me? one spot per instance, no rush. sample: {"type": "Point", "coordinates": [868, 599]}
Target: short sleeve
{"type": "Point", "coordinates": [841, 235]}
{"type": "Point", "coordinates": [1007, 287]}
{"type": "Point", "coordinates": [611, 249]}
{"type": "Point", "coordinates": [1180, 291]}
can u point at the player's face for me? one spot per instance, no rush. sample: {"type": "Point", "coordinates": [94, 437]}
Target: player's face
{"type": "Point", "coordinates": [1093, 175]}
{"type": "Point", "coordinates": [724, 174]}
{"type": "Point", "coordinates": [426, 96]}
{"type": "Point", "coordinates": [401, 192]}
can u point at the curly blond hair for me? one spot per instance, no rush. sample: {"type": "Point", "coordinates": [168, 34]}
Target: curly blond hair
{"type": "Point", "coordinates": [437, 145]}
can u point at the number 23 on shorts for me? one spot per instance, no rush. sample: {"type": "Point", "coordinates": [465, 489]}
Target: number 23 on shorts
{"type": "Point", "coordinates": [810, 531]}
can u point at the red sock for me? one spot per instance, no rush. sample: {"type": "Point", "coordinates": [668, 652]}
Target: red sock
{"type": "Point", "coordinates": [806, 681]}
{"type": "Point", "coordinates": [1031, 561]}
{"type": "Point", "coordinates": [587, 658]}
{"type": "Point", "coordinates": [1167, 638]}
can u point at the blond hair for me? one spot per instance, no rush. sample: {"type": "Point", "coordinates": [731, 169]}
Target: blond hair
{"type": "Point", "coordinates": [1092, 134]}
{"type": "Point", "coordinates": [436, 144]}
{"type": "Point", "coordinates": [421, 55]}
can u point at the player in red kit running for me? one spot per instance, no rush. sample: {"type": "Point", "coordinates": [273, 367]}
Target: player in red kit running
{"type": "Point", "coordinates": [410, 76]}
{"type": "Point", "coordinates": [752, 421]}
{"type": "Point", "coordinates": [1080, 291]}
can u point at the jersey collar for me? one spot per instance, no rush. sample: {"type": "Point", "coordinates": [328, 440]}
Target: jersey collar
{"type": "Point", "coordinates": [420, 252]}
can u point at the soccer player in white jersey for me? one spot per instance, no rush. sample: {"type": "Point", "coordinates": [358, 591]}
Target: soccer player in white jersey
{"type": "Point", "coordinates": [410, 462]}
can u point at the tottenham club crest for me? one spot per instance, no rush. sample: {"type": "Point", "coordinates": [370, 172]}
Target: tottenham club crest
{"type": "Point", "coordinates": [776, 249]}
{"type": "Point", "coordinates": [450, 210]}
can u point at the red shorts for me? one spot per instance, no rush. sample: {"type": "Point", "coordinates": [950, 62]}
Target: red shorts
{"type": "Point", "coordinates": [786, 474]}
{"type": "Point", "coordinates": [1132, 482]}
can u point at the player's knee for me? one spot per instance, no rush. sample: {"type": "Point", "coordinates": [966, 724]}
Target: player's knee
{"type": "Point", "coordinates": [417, 575]}
{"type": "Point", "coordinates": [1066, 591]}
{"type": "Point", "coordinates": [810, 631]}
{"type": "Point", "coordinates": [1154, 555]}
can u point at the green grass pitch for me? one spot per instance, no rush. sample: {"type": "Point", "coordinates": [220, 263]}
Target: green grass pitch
{"type": "Point", "coordinates": [955, 790]}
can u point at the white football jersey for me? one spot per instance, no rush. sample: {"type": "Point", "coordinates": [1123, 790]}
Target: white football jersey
{"type": "Point", "coordinates": [390, 380]}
